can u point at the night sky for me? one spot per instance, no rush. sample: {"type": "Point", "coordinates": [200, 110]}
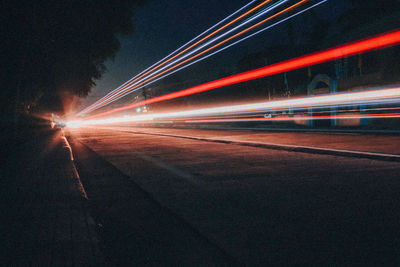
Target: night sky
{"type": "Point", "coordinates": [164, 25]}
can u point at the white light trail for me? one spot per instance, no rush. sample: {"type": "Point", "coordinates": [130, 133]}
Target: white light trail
{"type": "Point", "coordinates": [129, 90]}
{"type": "Point", "coordinates": [186, 55]}
{"type": "Point", "coordinates": [376, 96]}
{"type": "Point", "coordinates": [218, 51]}
{"type": "Point", "coordinates": [174, 52]}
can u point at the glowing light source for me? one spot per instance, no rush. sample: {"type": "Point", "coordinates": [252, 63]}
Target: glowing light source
{"type": "Point", "coordinates": [75, 124]}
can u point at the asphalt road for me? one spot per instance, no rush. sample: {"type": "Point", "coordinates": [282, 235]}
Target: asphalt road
{"type": "Point", "coordinates": [267, 206]}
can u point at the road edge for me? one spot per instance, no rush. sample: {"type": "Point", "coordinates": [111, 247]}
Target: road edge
{"type": "Point", "coordinates": [290, 148]}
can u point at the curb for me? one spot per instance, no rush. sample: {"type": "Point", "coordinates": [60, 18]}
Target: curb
{"type": "Point", "coordinates": [323, 151]}
{"type": "Point", "coordinates": [231, 260]}
{"type": "Point", "coordinates": [292, 148]}
{"type": "Point", "coordinates": [89, 221]}
{"type": "Point", "coordinates": [68, 150]}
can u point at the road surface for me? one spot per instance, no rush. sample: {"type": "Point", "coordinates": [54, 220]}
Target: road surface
{"type": "Point", "coordinates": [264, 206]}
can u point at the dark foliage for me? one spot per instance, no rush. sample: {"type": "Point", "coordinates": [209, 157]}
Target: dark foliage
{"type": "Point", "coordinates": [54, 49]}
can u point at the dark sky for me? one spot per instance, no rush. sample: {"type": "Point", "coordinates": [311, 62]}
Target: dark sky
{"type": "Point", "coordinates": [164, 25]}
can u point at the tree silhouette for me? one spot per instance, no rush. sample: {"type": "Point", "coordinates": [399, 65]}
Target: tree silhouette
{"type": "Point", "coordinates": [54, 49]}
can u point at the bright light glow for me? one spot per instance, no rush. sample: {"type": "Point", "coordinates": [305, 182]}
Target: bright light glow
{"type": "Point", "coordinates": [125, 118]}
{"type": "Point", "coordinates": [376, 96]}
{"type": "Point", "coordinates": [76, 124]}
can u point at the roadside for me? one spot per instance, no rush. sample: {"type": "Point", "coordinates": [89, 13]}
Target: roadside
{"type": "Point", "coordinates": [44, 219]}
{"type": "Point", "coordinates": [383, 147]}
{"type": "Point", "coordinates": [266, 207]}
{"type": "Point", "coordinates": [14, 135]}
{"type": "Point", "coordinates": [135, 229]}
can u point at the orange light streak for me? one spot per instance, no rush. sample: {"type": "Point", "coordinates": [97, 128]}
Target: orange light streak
{"type": "Point", "coordinates": [205, 51]}
{"type": "Point", "coordinates": [376, 96]}
{"type": "Point", "coordinates": [379, 42]}
{"type": "Point", "coordinates": [190, 47]}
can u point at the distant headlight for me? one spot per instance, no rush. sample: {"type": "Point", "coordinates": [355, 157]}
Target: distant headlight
{"type": "Point", "coordinates": [60, 124]}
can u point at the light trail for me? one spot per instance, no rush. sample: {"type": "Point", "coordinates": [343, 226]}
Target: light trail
{"type": "Point", "coordinates": [145, 82]}
{"type": "Point", "coordinates": [222, 49]}
{"type": "Point", "coordinates": [283, 118]}
{"type": "Point", "coordinates": [163, 70]}
{"type": "Point", "coordinates": [353, 98]}
{"type": "Point", "coordinates": [160, 63]}
{"type": "Point", "coordinates": [371, 97]}
{"type": "Point", "coordinates": [378, 42]}
{"type": "Point", "coordinates": [177, 50]}
{"type": "Point", "coordinates": [293, 118]}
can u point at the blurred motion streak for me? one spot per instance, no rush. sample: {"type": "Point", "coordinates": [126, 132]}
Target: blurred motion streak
{"type": "Point", "coordinates": [74, 124]}
{"type": "Point", "coordinates": [378, 42]}
{"type": "Point", "coordinates": [155, 65]}
{"type": "Point", "coordinates": [186, 49]}
{"type": "Point", "coordinates": [114, 97]}
{"type": "Point", "coordinates": [288, 118]}
{"type": "Point", "coordinates": [213, 53]}
{"type": "Point", "coordinates": [370, 97]}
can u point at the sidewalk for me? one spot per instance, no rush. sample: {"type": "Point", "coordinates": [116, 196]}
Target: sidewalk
{"type": "Point", "coordinates": [44, 218]}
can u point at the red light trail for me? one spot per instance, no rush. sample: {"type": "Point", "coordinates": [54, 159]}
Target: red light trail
{"type": "Point", "coordinates": [374, 96]}
{"type": "Point", "coordinates": [293, 118]}
{"type": "Point", "coordinates": [374, 43]}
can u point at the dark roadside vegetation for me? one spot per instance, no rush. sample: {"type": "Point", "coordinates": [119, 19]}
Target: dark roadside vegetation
{"type": "Point", "coordinates": [44, 220]}
{"type": "Point", "coordinates": [56, 50]}
{"type": "Point", "coordinates": [52, 52]}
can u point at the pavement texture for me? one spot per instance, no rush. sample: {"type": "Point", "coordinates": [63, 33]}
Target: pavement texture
{"type": "Point", "coordinates": [44, 214]}
{"type": "Point", "coordinates": [135, 230]}
{"type": "Point", "coordinates": [372, 143]}
{"type": "Point", "coordinates": [262, 207]}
